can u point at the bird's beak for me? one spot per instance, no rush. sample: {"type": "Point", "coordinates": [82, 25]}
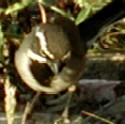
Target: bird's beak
{"type": "Point", "coordinates": [54, 66]}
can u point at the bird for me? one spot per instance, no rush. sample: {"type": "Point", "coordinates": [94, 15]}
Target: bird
{"type": "Point", "coordinates": [54, 45]}
{"type": "Point", "coordinates": [62, 46]}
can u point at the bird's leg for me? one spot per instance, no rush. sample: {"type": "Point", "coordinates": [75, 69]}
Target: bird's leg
{"type": "Point", "coordinates": [29, 107]}
{"type": "Point", "coordinates": [64, 119]}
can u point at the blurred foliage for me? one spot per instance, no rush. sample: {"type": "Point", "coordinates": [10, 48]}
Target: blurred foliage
{"type": "Point", "coordinates": [17, 17]}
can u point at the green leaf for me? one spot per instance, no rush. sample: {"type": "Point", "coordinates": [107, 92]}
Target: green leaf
{"type": "Point", "coordinates": [83, 14]}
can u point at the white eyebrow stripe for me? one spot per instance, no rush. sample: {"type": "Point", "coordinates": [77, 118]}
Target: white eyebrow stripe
{"type": "Point", "coordinates": [43, 44]}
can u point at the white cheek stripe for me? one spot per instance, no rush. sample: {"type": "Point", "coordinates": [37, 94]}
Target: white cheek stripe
{"type": "Point", "coordinates": [43, 44]}
{"type": "Point", "coordinates": [36, 57]}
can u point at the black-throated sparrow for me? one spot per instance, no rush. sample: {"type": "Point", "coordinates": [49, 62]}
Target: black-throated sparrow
{"type": "Point", "coordinates": [62, 42]}
{"type": "Point", "coordinates": [55, 45]}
